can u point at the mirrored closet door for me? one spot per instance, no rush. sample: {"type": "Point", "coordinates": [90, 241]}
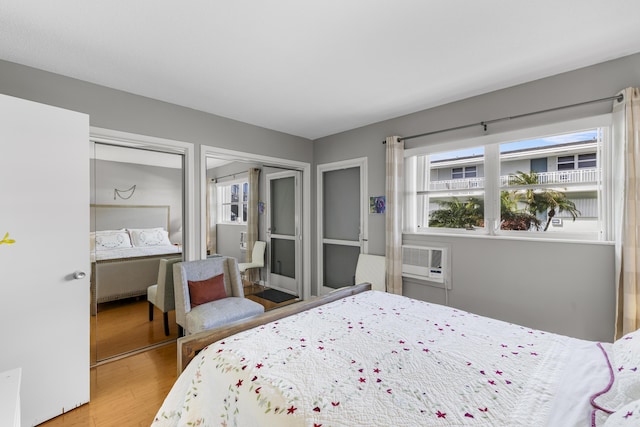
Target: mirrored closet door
{"type": "Point", "coordinates": [137, 205]}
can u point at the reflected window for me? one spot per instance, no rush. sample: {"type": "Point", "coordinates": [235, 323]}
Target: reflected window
{"type": "Point", "coordinates": [232, 202]}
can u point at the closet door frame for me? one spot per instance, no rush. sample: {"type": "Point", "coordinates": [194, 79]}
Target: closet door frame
{"type": "Point", "coordinates": [363, 239]}
{"type": "Point", "coordinates": [303, 167]}
{"type": "Point", "coordinates": [190, 243]}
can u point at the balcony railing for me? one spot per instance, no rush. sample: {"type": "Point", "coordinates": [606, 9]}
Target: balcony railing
{"type": "Point", "coordinates": [576, 176]}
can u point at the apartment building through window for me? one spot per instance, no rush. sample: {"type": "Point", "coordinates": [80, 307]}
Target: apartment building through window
{"type": "Point", "coordinates": [551, 185]}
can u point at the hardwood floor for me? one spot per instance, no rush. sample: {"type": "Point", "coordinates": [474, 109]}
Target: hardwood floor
{"type": "Point", "coordinates": [125, 392]}
{"type": "Point", "coordinates": [124, 326]}
{"type": "Point", "coordinates": [129, 391]}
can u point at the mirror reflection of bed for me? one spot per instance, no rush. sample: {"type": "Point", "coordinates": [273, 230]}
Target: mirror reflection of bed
{"type": "Point", "coordinates": [127, 246]}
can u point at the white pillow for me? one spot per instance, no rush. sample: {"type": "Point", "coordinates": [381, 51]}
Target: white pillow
{"type": "Point", "coordinates": [625, 362]}
{"type": "Point", "coordinates": [112, 239]}
{"type": "Point", "coordinates": [149, 237]}
{"type": "Point", "coordinates": [628, 415]}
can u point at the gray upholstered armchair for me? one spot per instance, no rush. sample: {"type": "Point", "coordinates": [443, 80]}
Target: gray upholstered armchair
{"type": "Point", "coordinates": [218, 312]}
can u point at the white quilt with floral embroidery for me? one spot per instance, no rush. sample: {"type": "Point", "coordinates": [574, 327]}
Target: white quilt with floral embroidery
{"type": "Point", "coordinates": [374, 359]}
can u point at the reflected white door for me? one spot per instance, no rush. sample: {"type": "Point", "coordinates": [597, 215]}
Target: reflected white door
{"type": "Point", "coordinates": [44, 205]}
{"type": "Point", "coordinates": [283, 231]}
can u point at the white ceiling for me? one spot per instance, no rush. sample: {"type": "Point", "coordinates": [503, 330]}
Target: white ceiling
{"type": "Point", "coordinates": [314, 67]}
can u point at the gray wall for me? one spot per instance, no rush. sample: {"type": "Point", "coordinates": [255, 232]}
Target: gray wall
{"type": "Point", "coordinates": [122, 111]}
{"type": "Point", "coordinates": [154, 186]}
{"type": "Point", "coordinates": [566, 288]}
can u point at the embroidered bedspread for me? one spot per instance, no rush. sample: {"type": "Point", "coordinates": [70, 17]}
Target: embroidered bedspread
{"type": "Point", "coordinates": [374, 359]}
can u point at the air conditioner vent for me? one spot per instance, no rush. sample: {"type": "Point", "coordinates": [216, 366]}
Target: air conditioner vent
{"type": "Point", "coordinates": [425, 263]}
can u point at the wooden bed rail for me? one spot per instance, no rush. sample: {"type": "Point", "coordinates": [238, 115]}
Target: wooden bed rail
{"type": "Point", "coordinates": [189, 346]}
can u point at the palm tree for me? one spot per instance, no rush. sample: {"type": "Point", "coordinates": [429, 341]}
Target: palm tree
{"type": "Point", "coordinates": [544, 201]}
{"type": "Point", "coordinates": [458, 214]}
{"type": "Point", "coordinates": [455, 213]}
{"type": "Point", "coordinates": [511, 218]}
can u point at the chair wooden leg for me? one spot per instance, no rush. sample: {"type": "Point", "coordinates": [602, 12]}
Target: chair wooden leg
{"type": "Point", "coordinates": [150, 311]}
{"type": "Point", "coordinates": [165, 315]}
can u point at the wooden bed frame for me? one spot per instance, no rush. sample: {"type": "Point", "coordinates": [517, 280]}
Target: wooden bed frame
{"type": "Point", "coordinates": [189, 346]}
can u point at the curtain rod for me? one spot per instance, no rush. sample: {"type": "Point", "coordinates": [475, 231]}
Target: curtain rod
{"type": "Point", "coordinates": [265, 165]}
{"type": "Point", "coordinates": [484, 124]}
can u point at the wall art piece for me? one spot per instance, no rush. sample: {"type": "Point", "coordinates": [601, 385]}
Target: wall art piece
{"type": "Point", "coordinates": [377, 204]}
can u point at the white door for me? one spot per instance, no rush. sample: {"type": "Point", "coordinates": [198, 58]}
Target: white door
{"type": "Point", "coordinates": [283, 231]}
{"type": "Point", "coordinates": [342, 223]}
{"type": "Point", "coordinates": [44, 206]}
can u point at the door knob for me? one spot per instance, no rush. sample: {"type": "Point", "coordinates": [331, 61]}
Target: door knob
{"type": "Point", "coordinates": [79, 275]}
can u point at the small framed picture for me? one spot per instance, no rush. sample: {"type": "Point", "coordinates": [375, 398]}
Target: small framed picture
{"type": "Point", "coordinates": [377, 204]}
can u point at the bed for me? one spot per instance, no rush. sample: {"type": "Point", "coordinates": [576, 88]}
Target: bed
{"type": "Point", "coordinates": [126, 248]}
{"type": "Point", "coordinates": [368, 358]}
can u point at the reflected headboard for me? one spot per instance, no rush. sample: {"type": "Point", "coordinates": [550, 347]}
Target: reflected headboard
{"type": "Point", "coordinates": [115, 217]}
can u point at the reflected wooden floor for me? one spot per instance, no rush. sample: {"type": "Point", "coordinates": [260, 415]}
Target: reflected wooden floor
{"type": "Point", "coordinates": [129, 391]}
{"type": "Point", "coordinates": [124, 326]}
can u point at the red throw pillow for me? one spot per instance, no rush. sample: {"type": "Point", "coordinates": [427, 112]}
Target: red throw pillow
{"type": "Point", "coordinates": [204, 291]}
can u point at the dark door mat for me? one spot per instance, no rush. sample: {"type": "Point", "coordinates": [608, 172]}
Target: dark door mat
{"type": "Point", "coordinates": [275, 295]}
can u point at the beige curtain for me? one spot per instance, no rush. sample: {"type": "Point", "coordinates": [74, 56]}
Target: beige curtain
{"type": "Point", "coordinates": [252, 219]}
{"type": "Point", "coordinates": [212, 247]}
{"type": "Point", "coordinates": [626, 161]}
{"type": "Point", "coordinates": [393, 224]}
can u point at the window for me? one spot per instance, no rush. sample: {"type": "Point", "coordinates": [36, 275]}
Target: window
{"type": "Point", "coordinates": [505, 187]}
{"type": "Point", "coordinates": [465, 172]}
{"type": "Point", "coordinates": [232, 202]}
{"type": "Point", "coordinates": [565, 163]}
{"type": "Point", "coordinates": [577, 161]}
{"type": "Point", "coordinates": [559, 201]}
{"type": "Point", "coordinates": [450, 192]}
{"type": "Point", "coordinates": [587, 161]}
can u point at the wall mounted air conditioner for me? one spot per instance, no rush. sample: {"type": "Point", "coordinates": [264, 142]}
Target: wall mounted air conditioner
{"type": "Point", "coordinates": [430, 264]}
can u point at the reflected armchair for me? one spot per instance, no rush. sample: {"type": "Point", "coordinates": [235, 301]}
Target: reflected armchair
{"type": "Point", "coordinates": [161, 294]}
{"type": "Point", "coordinates": [209, 294]}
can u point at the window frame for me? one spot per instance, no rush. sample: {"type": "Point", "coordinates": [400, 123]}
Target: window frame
{"type": "Point", "coordinates": [492, 188]}
{"type": "Point", "coordinates": [241, 203]}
